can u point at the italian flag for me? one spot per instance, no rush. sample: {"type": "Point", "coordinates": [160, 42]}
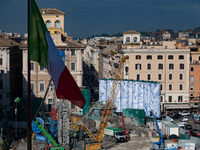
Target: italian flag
{"type": "Point", "coordinates": [43, 50]}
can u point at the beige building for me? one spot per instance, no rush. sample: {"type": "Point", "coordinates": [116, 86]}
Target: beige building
{"type": "Point", "coordinates": [166, 36]}
{"type": "Point", "coordinates": [54, 20]}
{"type": "Point", "coordinates": [10, 73]}
{"type": "Point", "coordinates": [70, 51]}
{"type": "Point", "coordinates": [170, 67]}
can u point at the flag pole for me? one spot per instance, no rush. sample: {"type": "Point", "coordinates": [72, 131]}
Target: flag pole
{"type": "Point", "coordinates": [29, 137]}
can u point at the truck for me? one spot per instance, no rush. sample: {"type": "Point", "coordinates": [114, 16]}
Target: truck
{"type": "Point", "coordinates": [114, 134]}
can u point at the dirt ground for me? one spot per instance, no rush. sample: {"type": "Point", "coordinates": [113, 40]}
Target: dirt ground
{"type": "Point", "coordinates": [140, 140]}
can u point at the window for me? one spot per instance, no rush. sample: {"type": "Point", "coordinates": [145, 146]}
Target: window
{"type": "Point", "coordinates": [191, 96]}
{"type": "Point", "coordinates": [166, 47]}
{"type": "Point", "coordinates": [1, 84]}
{"type": "Point", "coordinates": [41, 86]}
{"type": "Point", "coordinates": [32, 87]}
{"type": "Point", "coordinates": [180, 76]}
{"type": "Point", "coordinates": [191, 78]}
{"type": "Point", "coordinates": [159, 76]}
{"type": "Point", "coordinates": [170, 87]}
{"type": "Point", "coordinates": [171, 66]}
{"type": "Point", "coordinates": [160, 66]}
{"type": "Point", "coordinates": [192, 69]}
{"type": "Point", "coordinates": [41, 68]}
{"type": "Point", "coordinates": [170, 98]}
{"type": "Point", "coordinates": [48, 23]}
{"type": "Point", "coordinates": [135, 39]}
{"type": "Point", "coordinates": [191, 87]}
{"type": "Point", "coordinates": [199, 57]}
{"type": "Point", "coordinates": [138, 77]}
{"type": "Point", "coordinates": [128, 40]}
{"type": "Point", "coordinates": [32, 66]}
{"type": "Point", "coordinates": [73, 53]}
{"type": "Point", "coordinates": [160, 86]}
{"type": "Point", "coordinates": [148, 66]}
{"type": "Point", "coordinates": [52, 87]}
{"type": "Point", "coordinates": [149, 57]}
{"type": "Point", "coordinates": [161, 99]}
{"type": "Point", "coordinates": [190, 58]}
{"type": "Point", "coordinates": [1, 61]}
{"type": "Point", "coordinates": [181, 66]}
{"type": "Point", "coordinates": [148, 76]}
{"type": "Point", "coordinates": [50, 101]}
{"type": "Point", "coordinates": [159, 57]}
{"type": "Point", "coordinates": [138, 56]}
{"type": "Point", "coordinates": [180, 98]}
{"type": "Point", "coordinates": [137, 66]}
{"type": "Point", "coordinates": [170, 57]}
{"type": "Point", "coordinates": [170, 76]}
{"type": "Point", "coordinates": [181, 57]}
{"type": "Point", "coordinates": [180, 86]}
{"type": "Point", "coordinates": [72, 106]}
{"type": "Point", "coordinates": [57, 24]}
{"type": "Point", "coordinates": [72, 66]}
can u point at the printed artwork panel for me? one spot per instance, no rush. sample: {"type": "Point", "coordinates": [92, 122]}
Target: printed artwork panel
{"type": "Point", "coordinates": [102, 90]}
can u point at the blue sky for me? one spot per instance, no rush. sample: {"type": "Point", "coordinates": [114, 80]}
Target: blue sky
{"type": "Point", "coordinates": [91, 17]}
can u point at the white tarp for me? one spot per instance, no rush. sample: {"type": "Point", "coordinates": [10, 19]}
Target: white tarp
{"type": "Point", "coordinates": [133, 94]}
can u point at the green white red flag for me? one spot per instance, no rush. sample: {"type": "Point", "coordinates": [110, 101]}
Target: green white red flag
{"type": "Point", "coordinates": [43, 50]}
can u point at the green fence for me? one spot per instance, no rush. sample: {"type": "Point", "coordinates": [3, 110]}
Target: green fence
{"type": "Point", "coordinates": [86, 94]}
{"type": "Point", "coordinates": [133, 113]}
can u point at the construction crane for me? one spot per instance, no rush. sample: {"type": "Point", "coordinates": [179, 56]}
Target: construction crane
{"type": "Point", "coordinates": [109, 104]}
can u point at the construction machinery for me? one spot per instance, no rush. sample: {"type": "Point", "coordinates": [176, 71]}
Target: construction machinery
{"type": "Point", "coordinates": [108, 107]}
{"type": "Point", "coordinates": [160, 144]}
{"type": "Point", "coordinates": [38, 125]}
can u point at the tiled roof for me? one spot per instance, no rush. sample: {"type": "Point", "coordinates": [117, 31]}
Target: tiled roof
{"type": "Point", "coordinates": [73, 44]}
{"type": "Point", "coordinates": [131, 32]}
{"type": "Point", "coordinates": [8, 42]}
{"type": "Point", "coordinates": [108, 51]}
{"type": "Point", "coordinates": [70, 44]}
{"type": "Point", "coordinates": [51, 11]}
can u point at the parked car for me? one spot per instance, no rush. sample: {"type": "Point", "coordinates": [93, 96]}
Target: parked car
{"type": "Point", "coordinates": [185, 113]}
{"type": "Point", "coordinates": [181, 124]}
{"type": "Point", "coordinates": [196, 121]}
{"type": "Point", "coordinates": [185, 119]}
{"type": "Point", "coordinates": [195, 132]}
{"type": "Point", "coordinates": [176, 116]}
{"type": "Point", "coordinates": [188, 127]}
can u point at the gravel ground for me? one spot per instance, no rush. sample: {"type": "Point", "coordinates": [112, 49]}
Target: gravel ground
{"type": "Point", "coordinates": [140, 140]}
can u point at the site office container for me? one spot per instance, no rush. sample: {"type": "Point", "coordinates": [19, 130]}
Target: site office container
{"type": "Point", "coordinates": [170, 128]}
{"type": "Point", "coordinates": [110, 131]}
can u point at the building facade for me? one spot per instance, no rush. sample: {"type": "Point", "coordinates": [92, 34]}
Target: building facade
{"type": "Point", "coordinates": [10, 73]}
{"type": "Point", "coordinates": [170, 67]}
{"type": "Point", "coordinates": [194, 79]}
{"type": "Point", "coordinates": [70, 51]}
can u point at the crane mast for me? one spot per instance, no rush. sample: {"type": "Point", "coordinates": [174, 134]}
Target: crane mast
{"type": "Point", "coordinates": [111, 99]}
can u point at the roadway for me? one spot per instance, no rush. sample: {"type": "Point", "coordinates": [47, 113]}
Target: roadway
{"type": "Point", "coordinates": [190, 121]}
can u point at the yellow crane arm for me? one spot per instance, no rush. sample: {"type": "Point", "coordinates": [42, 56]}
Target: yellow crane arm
{"type": "Point", "coordinates": [109, 104]}
{"type": "Point", "coordinates": [111, 99]}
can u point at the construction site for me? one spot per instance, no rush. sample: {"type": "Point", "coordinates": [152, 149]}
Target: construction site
{"type": "Point", "coordinates": [124, 117]}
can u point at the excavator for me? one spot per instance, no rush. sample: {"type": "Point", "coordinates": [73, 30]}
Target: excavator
{"type": "Point", "coordinates": [107, 109]}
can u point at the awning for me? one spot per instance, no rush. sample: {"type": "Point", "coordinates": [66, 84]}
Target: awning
{"type": "Point", "coordinates": [185, 106]}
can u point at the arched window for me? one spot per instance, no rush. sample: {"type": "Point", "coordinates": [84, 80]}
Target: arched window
{"type": "Point", "coordinates": [57, 24]}
{"type": "Point", "coordinates": [48, 23]}
{"type": "Point", "coordinates": [135, 39]}
{"type": "Point", "coordinates": [128, 40]}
